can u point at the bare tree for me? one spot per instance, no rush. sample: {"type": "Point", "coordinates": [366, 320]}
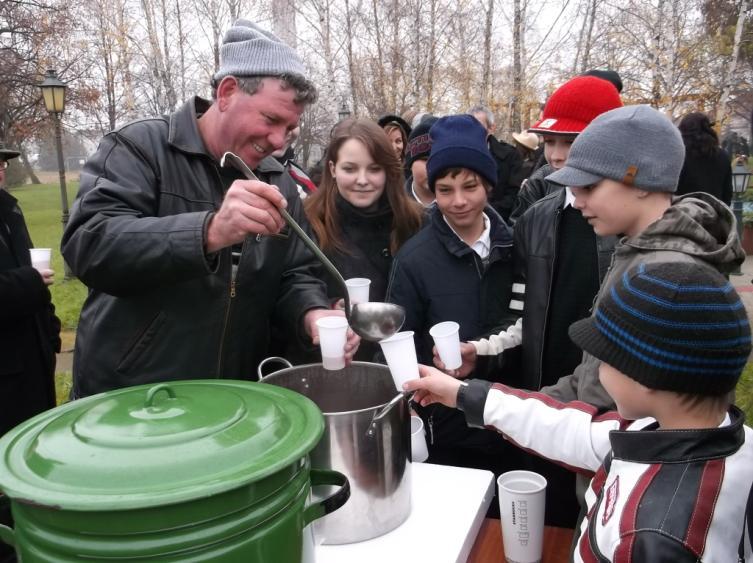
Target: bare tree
{"type": "Point", "coordinates": [730, 74]}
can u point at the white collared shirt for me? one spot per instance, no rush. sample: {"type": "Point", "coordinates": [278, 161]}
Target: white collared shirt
{"type": "Point", "coordinates": [482, 246]}
{"type": "Point", "coordinates": [569, 198]}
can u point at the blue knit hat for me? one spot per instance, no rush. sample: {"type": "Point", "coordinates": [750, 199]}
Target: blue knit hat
{"type": "Point", "coordinates": [674, 326]}
{"type": "Point", "coordinates": [459, 141]}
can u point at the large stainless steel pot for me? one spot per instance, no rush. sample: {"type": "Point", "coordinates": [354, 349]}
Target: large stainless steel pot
{"type": "Point", "coordinates": [374, 455]}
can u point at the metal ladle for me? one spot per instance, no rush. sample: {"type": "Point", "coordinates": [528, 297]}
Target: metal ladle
{"type": "Point", "coordinates": [371, 321]}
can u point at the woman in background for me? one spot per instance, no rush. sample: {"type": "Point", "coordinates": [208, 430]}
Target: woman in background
{"type": "Point", "coordinates": [707, 167]}
{"type": "Point", "coordinates": [361, 214]}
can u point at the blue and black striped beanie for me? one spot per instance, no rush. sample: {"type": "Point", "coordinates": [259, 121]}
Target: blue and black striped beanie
{"type": "Point", "coordinates": [672, 326]}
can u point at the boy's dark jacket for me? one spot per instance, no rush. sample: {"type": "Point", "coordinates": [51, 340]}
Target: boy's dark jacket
{"type": "Point", "coordinates": [438, 277]}
{"type": "Point", "coordinates": [532, 190]}
{"type": "Point", "coordinates": [535, 249]}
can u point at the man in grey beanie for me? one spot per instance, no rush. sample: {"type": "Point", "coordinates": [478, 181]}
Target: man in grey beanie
{"type": "Point", "coordinates": [188, 263]}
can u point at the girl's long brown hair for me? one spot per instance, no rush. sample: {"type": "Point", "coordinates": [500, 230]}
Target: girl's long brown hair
{"type": "Point", "coordinates": [321, 209]}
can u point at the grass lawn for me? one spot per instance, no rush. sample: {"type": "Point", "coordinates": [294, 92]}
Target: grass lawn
{"type": "Point", "coordinates": [41, 207]}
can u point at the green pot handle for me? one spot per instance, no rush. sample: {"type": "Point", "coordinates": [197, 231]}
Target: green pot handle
{"type": "Point", "coordinates": [331, 503]}
{"type": "Point", "coordinates": [7, 535]}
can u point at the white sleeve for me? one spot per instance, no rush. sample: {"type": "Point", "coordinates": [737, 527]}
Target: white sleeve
{"type": "Point", "coordinates": [568, 433]}
{"type": "Point", "coordinates": [498, 343]}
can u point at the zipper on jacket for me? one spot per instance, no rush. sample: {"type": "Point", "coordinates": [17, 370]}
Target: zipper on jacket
{"type": "Point", "coordinates": [431, 429]}
{"type": "Point", "coordinates": [557, 220]}
{"type": "Point", "coordinates": [231, 296]}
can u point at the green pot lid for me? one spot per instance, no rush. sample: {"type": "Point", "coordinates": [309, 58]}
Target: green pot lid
{"type": "Point", "coordinates": [157, 444]}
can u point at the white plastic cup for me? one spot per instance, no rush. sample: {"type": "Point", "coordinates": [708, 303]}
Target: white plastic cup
{"type": "Point", "coordinates": [40, 258]}
{"type": "Point", "coordinates": [521, 510]}
{"type": "Point", "coordinates": [358, 290]}
{"type": "Point", "coordinates": [419, 449]}
{"type": "Point", "coordinates": [400, 352]}
{"type": "Point", "coordinates": [333, 332]}
{"type": "Point", "coordinates": [446, 337]}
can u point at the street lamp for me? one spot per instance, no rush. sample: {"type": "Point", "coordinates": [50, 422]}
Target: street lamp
{"type": "Point", "coordinates": [344, 112]}
{"type": "Point", "coordinates": [53, 92]}
{"type": "Point", "coordinates": [740, 178]}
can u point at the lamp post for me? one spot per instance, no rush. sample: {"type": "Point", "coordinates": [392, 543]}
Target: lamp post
{"type": "Point", "coordinates": [740, 178]}
{"type": "Point", "coordinates": [53, 92]}
{"type": "Point", "coordinates": [344, 111]}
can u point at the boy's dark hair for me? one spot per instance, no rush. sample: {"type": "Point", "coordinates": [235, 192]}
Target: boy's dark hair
{"type": "Point", "coordinates": [455, 171]}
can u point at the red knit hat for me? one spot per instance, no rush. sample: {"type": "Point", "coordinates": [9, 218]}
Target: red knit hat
{"type": "Point", "coordinates": [574, 104]}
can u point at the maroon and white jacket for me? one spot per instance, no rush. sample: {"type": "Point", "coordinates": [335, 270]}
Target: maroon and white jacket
{"type": "Point", "coordinates": [657, 495]}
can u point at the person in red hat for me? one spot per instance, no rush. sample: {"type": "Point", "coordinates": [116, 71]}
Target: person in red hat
{"type": "Point", "coordinates": [567, 112]}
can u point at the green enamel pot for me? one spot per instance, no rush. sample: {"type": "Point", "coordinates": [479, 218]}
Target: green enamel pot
{"type": "Point", "coordinates": [206, 470]}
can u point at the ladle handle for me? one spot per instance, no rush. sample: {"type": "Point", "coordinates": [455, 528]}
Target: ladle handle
{"type": "Point", "coordinates": [242, 167]}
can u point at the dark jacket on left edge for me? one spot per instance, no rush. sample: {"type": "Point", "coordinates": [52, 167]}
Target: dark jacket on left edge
{"type": "Point", "coordinates": [29, 329]}
{"type": "Point", "coordinates": [158, 308]}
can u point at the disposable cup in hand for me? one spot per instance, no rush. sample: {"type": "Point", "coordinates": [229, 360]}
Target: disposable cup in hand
{"type": "Point", "coordinates": [333, 332]}
{"type": "Point", "coordinates": [521, 507]}
{"type": "Point", "coordinates": [400, 352]}
{"type": "Point", "coordinates": [446, 337]}
{"type": "Point", "coordinates": [358, 290]}
{"type": "Point", "coordinates": [40, 258]}
{"type": "Point", "coordinates": [419, 449]}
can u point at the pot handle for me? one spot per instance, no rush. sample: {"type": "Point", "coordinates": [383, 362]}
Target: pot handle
{"type": "Point", "coordinates": [283, 361]}
{"type": "Point", "coordinates": [330, 504]}
{"type": "Point", "coordinates": [7, 535]}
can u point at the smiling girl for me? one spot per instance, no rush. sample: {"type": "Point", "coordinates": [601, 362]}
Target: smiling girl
{"type": "Point", "coordinates": [361, 213]}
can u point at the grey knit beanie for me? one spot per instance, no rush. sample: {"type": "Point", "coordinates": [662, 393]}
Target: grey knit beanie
{"type": "Point", "coordinates": [634, 145]}
{"type": "Point", "coordinates": [248, 50]}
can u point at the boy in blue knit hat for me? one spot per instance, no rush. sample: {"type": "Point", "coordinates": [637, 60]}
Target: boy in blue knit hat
{"type": "Point", "coordinates": [457, 269]}
{"type": "Point", "coordinates": [673, 464]}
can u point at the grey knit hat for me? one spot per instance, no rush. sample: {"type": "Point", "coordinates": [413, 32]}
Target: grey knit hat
{"type": "Point", "coordinates": [248, 50]}
{"type": "Point", "coordinates": [635, 145]}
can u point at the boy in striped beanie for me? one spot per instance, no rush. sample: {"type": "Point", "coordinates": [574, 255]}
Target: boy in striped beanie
{"type": "Point", "coordinates": [673, 464]}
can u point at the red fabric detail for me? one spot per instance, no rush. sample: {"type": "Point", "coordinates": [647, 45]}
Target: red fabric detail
{"type": "Point", "coordinates": [610, 500]}
{"type": "Point", "coordinates": [301, 179]}
{"type": "Point", "coordinates": [584, 549]}
{"type": "Point", "coordinates": [547, 400]}
{"type": "Point", "coordinates": [703, 511]}
{"type": "Point", "coordinates": [624, 551]}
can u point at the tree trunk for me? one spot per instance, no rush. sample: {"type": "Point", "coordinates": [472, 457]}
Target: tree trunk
{"type": "Point", "coordinates": [589, 36]}
{"type": "Point", "coordinates": [516, 67]}
{"type": "Point", "coordinates": [351, 62]}
{"type": "Point", "coordinates": [655, 56]}
{"type": "Point", "coordinates": [27, 167]}
{"type": "Point", "coordinates": [730, 74]}
{"type": "Point", "coordinates": [432, 55]}
{"type": "Point", "coordinates": [380, 55]}
{"type": "Point", "coordinates": [283, 21]}
{"type": "Point", "coordinates": [486, 78]}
